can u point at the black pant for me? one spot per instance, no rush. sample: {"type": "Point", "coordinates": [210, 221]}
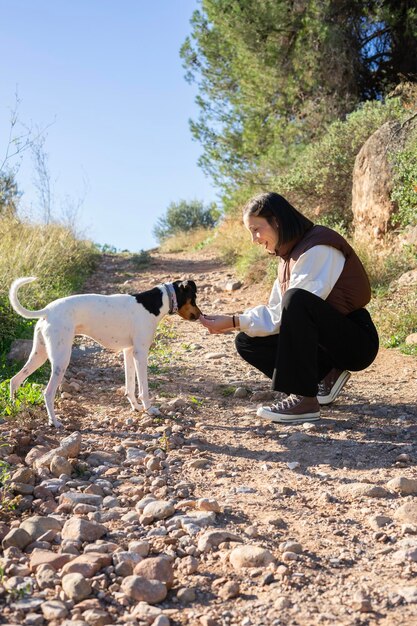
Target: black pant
{"type": "Point", "coordinates": [313, 339]}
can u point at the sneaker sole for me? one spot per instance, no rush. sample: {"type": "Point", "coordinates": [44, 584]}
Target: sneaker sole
{"type": "Point", "coordinates": [282, 418]}
{"type": "Point", "coordinates": [336, 389]}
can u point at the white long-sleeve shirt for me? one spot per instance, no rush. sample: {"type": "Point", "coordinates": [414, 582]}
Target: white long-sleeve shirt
{"type": "Point", "coordinates": [317, 271]}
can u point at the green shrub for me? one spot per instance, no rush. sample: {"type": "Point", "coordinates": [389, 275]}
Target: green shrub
{"type": "Point", "coordinates": [320, 182]}
{"type": "Point", "coordinates": [185, 216]}
{"type": "Point", "coordinates": [404, 191]}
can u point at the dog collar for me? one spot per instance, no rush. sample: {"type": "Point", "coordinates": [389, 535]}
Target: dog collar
{"type": "Point", "coordinates": [172, 296]}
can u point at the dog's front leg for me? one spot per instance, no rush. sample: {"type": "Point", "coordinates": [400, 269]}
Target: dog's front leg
{"type": "Point", "coordinates": [130, 379]}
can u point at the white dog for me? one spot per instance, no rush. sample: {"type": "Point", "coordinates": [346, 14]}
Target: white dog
{"type": "Point", "coordinates": [118, 322]}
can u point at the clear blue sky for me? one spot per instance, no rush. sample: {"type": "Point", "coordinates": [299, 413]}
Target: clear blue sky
{"type": "Point", "coordinates": [107, 75]}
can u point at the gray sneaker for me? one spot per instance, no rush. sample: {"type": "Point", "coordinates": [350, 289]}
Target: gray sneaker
{"type": "Point", "coordinates": [293, 409]}
{"type": "Point", "coordinates": [332, 385]}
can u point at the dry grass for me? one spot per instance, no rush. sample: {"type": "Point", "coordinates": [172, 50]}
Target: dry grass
{"type": "Point", "coordinates": [190, 240]}
{"type": "Point", "coordinates": [52, 253]}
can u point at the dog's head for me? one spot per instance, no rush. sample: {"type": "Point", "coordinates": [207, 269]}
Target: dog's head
{"type": "Point", "coordinates": [186, 292]}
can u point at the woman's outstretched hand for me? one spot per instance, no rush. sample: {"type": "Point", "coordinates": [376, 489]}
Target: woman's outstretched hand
{"type": "Point", "coordinates": [217, 324]}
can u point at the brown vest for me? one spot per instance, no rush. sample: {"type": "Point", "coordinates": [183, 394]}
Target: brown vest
{"type": "Point", "coordinates": [352, 290]}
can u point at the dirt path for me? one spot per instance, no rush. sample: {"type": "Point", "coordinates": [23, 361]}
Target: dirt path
{"type": "Point", "coordinates": [314, 497]}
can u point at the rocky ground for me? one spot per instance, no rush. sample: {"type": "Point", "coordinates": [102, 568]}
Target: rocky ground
{"type": "Point", "coordinates": [207, 515]}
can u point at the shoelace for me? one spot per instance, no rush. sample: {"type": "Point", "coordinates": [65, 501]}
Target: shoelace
{"type": "Point", "coordinates": [288, 403]}
{"type": "Point", "coordinates": [323, 389]}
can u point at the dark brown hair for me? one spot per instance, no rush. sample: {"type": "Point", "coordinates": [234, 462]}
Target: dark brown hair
{"type": "Point", "coordinates": [289, 223]}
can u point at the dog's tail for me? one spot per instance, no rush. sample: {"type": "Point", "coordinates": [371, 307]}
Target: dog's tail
{"type": "Point", "coordinates": [16, 304]}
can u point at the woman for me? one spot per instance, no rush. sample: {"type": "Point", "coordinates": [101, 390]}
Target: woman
{"type": "Point", "coordinates": [315, 327]}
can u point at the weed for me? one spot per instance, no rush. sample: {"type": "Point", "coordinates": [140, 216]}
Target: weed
{"type": "Point", "coordinates": [227, 391]}
{"type": "Point", "coordinates": [164, 443]}
{"type": "Point", "coordinates": [196, 401]}
{"type": "Point", "coordinates": [141, 259]}
{"type": "Point", "coordinates": [29, 394]}
{"type": "Point", "coordinates": [7, 501]}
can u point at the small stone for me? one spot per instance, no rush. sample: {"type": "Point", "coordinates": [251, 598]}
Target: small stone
{"type": "Point", "coordinates": [241, 392]}
{"type": "Point", "coordinates": [213, 538]}
{"type": "Point", "coordinates": [54, 610]}
{"type": "Point", "coordinates": [77, 529]}
{"type": "Point", "coordinates": [37, 526]}
{"type": "Point", "coordinates": [407, 513]}
{"type": "Point", "coordinates": [76, 587]}
{"type": "Point", "coordinates": [289, 556]}
{"type": "Point", "coordinates": [141, 589]}
{"type": "Point", "coordinates": [292, 465]}
{"type": "Point", "coordinates": [17, 537]}
{"type": "Point", "coordinates": [87, 564]}
{"type": "Point", "coordinates": [70, 446]}
{"type": "Point", "coordinates": [409, 594]}
{"type": "Point", "coordinates": [291, 546]}
{"type": "Point", "coordinates": [47, 557]}
{"type": "Point", "coordinates": [161, 620]}
{"type": "Point", "coordinates": [97, 617]}
{"type": "Point", "coordinates": [230, 590]}
{"type": "Point", "coordinates": [46, 576]}
{"type": "Point", "coordinates": [139, 547]}
{"type": "Point", "coordinates": [208, 504]}
{"type": "Point", "coordinates": [404, 486]}
{"type": "Point", "coordinates": [156, 568]}
{"type": "Point", "coordinates": [60, 465]}
{"type": "Point", "coordinates": [361, 603]}
{"type": "Point", "coordinates": [379, 521]}
{"type": "Point", "coordinates": [186, 595]}
{"type": "Point", "coordinates": [250, 556]}
{"type": "Point", "coordinates": [159, 509]}
{"type": "Point", "coordinates": [207, 620]}
{"type": "Point", "coordinates": [359, 490]}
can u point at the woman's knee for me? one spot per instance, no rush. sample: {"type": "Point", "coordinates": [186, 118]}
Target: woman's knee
{"type": "Point", "coordinates": [296, 297]}
{"type": "Point", "coordinates": [242, 342]}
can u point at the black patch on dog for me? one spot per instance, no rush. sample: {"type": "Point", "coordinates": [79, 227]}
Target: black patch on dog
{"type": "Point", "coordinates": [151, 300]}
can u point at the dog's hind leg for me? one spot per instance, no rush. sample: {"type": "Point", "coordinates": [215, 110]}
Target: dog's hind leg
{"type": "Point", "coordinates": [130, 379]}
{"type": "Point", "coordinates": [140, 357]}
{"type": "Point", "coordinates": [37, 357]}
{"type": "Point", "coordinates": [59, 353]}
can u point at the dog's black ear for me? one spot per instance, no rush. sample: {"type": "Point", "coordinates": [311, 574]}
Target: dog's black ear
{"type": "Point", "coordinates": [189, 285]}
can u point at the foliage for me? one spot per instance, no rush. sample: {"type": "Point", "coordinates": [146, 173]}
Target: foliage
{"type": "Point", "coordinates": [272, 74]}
{"type": "Point", "coordinates": [53, 254]}
{"type": "Point", "coordinates": [29, 394]}
{"type": "Point", "coordinates": [405, 184]}
{"type": "Point", "coordinates": [320, 181]}
{"type": "Point", "coordinates": [141, 259]}
{"type": "Point", "coordinates": [185, 216]}
{"type": "Point", "coordinates": [196, 239]}
{"type": "Point", "coordinates": [161, 349]}
{"type": "Point", "coordinates": [9, 194]}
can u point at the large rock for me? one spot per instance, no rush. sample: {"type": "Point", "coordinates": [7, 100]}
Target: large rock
{"type": "Point", "coordinates": [407, 513]}
{"type": "Point", "coordinates": [76, 587]}
{"type": "Point", "coordinates": [403, 485]}
{"type": "Point", "coordinates": [20, 350]}
{"type": "Point", "coordinates": [373, 181]}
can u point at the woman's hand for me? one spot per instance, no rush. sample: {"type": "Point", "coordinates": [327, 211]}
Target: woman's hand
{"type": "Point", "coordinates": [217, 324]}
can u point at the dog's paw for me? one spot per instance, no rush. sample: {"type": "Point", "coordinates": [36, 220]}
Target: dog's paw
{"type": "Point", "coordinates": [56, 424]}
{"type": "Point", "coordinates": [153, 410]}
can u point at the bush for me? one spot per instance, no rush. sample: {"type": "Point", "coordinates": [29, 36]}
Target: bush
{"type": "Point", "coordinates": [320, 182]}
{"type": "Point", "coordinates": [185, 216]}
{"type": "Point", "coordinates": [404, 191]}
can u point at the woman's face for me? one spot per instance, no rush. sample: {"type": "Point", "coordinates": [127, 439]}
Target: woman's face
{"type": "Point", "coordinates": [262, 232]}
